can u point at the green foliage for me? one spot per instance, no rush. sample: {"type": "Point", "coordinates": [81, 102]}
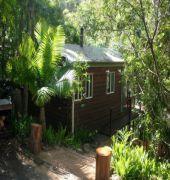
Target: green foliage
{"type": "Point", "coordinates": [80, 69]}
{"type": "Point", "coordinates": [72, 142]}
{"type": "Point", "coordinates": [21, 126]}
{"type": "Point", "coordinates": [52, 137]}
{"type": "Point", "coordinates": [36, 65]}
{"type": "Point", "coordinates": [48, 55]}
{"type": "Point", "coordinates": [139, 29]}
{"type": "Point", "coordinates": [20, 68]}
{"type": "Point", "coordinates": [19, 17]}
{"type": "Point", "coordinates": [61, 137]}
{"type": "Point", "coordinates": [89, 15]}
{"type": "Point", "coordinates": [133, 162]}
{"type": "Point", "coordinates": [145, 131]}
{"type": "Point", "coordinates": [80, 137]}
{"type": "Point", "coordinates": [44, 95]}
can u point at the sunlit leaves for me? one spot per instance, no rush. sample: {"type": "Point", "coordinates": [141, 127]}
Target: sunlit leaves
{"type": "Point", "coordinates": [43, 95]}
{"type": "Point", "coordinates": [51, 42]}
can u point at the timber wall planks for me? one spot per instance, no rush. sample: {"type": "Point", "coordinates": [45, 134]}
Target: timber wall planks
{"type": "Point", "coordinates": [95, 113]}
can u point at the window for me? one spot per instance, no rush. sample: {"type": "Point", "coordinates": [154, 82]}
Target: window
{"type": "Point", "coordinates": [89, 86]}
{"type": "Point", "coordinates": [110, 82]}
{"type": "Point", "coordinates": [78, 92]}
{"type": "Point", "coordinates": [78, 95]}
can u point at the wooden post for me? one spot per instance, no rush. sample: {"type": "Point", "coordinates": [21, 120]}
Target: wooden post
{"type": "Point", "coordinates": [103, 156]}
{"type": "Point", "coordinates": [36, 138]}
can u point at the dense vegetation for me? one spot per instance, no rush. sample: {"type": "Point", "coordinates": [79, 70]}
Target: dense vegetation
{"type": "Point", "coordinates": [133, 162]}
{"type": "Point", "coordinates": [138, 29]}
{"type": "Point", "coordinates": [33, 33]}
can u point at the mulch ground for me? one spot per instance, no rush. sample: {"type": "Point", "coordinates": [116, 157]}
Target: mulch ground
{"type": "Point", "coordinates": [57, 163]}
{"type": "Point", "coordinates": [14, 164]}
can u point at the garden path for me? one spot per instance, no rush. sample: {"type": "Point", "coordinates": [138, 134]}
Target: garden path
{"type": "Point", "coordinates": [69, 164]}
{"type": "Point", "coordinates": [57, 163]}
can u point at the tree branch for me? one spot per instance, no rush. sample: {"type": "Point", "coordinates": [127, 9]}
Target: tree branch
{"type": "Point", "coordinates": [149, 41]}
{"type": "Point", "coordinates": [157, 20]}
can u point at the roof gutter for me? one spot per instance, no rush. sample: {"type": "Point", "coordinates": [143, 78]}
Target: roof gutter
{"type": "Point", "coordinates": [106, 64]}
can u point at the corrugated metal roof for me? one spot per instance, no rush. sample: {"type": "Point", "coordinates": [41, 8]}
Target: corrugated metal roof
{"type": "Point", "coordinates": [91, 54]}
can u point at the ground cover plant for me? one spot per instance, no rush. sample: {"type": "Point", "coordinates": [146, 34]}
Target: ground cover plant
{"type": "Point", "coordinates": [133, 162]}
{"type": "Point", "coordinates": [53, 137]}
{"type": "Point", "coordinates": [21, 127]}
{"type": "Point", "coordinates": [62, 137]}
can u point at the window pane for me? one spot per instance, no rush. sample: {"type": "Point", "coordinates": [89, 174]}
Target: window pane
{"type": "Point", "coordinates": [108, 83]}
{"type": "Point", "coordinates": [86, 88]}
{"type": "Point", "coordinates": [89, 85]}
{"type": "Point", "coordinates": [112, 79]}
{"type": "Point", "coordinates": [110, 86]}
{"type": "Point", "coordinates": [78, 92]}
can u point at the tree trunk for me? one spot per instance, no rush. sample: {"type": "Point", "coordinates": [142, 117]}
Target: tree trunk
{"type": "Point", "coordinates": [42, 118]}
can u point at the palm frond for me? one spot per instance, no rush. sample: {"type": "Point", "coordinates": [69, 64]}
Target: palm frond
{"type": "Point", "coordinates": [48, 53]}
{"type": "Point", "coordinates": [41, 30]}
{"type": "Point", "coordinates": [58, 42]}
{"type": "Point", "coordinates": [27, 47]}
{"type": "Point", "coordinates": [44, 95]}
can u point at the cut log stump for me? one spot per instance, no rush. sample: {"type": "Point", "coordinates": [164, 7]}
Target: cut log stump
{"type": "Point", "coordinates": [103, 156]}
{"type": "Point", "coordinates": [36, 138]}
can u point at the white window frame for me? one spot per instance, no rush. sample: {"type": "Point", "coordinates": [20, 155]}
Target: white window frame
{"type": "Point", "coordinates": [110, 84]}
{"type": "Point", "coordinates": [80, 94]}
{"type": "Point", "coordinates": [90, 88]}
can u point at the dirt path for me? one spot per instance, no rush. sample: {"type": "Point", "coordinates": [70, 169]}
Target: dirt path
{"type": "Point", "coordinates": [70, 164]}
{"type": "Point", "coordinates": [14, 165]}
{"type": "Point", "coordinates": [58, 163]}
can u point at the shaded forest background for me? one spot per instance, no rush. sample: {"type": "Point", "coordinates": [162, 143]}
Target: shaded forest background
{"type": "Point", "coordinates": [138, 29]}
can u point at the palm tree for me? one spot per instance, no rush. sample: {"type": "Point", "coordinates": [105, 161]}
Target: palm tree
{"type": "Point", "coordinates": [40, 68]}
{"type": "Point", "coordinates": [47, 67]}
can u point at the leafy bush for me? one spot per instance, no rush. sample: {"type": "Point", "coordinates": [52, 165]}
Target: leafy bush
{"type": "Point", "coordinates": [21, 126]}
{"type": "Point", "coordinates": [80, 137]}
{"type": "Point", "coordinates": [52, 137]}
{"type": "Point", "coordinates": [133, 162]}
{"type": "Point", "coordinates": [72, 142]}
{"type": "Point", "coordinates": [84, 136]}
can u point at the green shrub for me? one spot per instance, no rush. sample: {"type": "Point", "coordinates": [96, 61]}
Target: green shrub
{"type": "Point", "coordinates": [61, 135]}
{"type": "Point", "coordinates": [52, 137]}
{"type": "Point", "coordinates": [49, 136]}
{"type": "Point", "coordinates": [84, 136]}
{"type": "Point", "coordinates": [133, 162]}
{"type": "Point", "coordinates": [80, 137]}
{"type": "Point", "coordinates": [72, 142]}
{"type": "Point", "coordinates": [21, 126]}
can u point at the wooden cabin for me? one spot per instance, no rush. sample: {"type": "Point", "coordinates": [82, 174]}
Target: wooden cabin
{"type": "Point", "coordinates": [102, 106]}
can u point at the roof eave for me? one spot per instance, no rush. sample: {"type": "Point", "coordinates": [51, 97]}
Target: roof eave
{"type": "Point", "coordinates": [106, 64]}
